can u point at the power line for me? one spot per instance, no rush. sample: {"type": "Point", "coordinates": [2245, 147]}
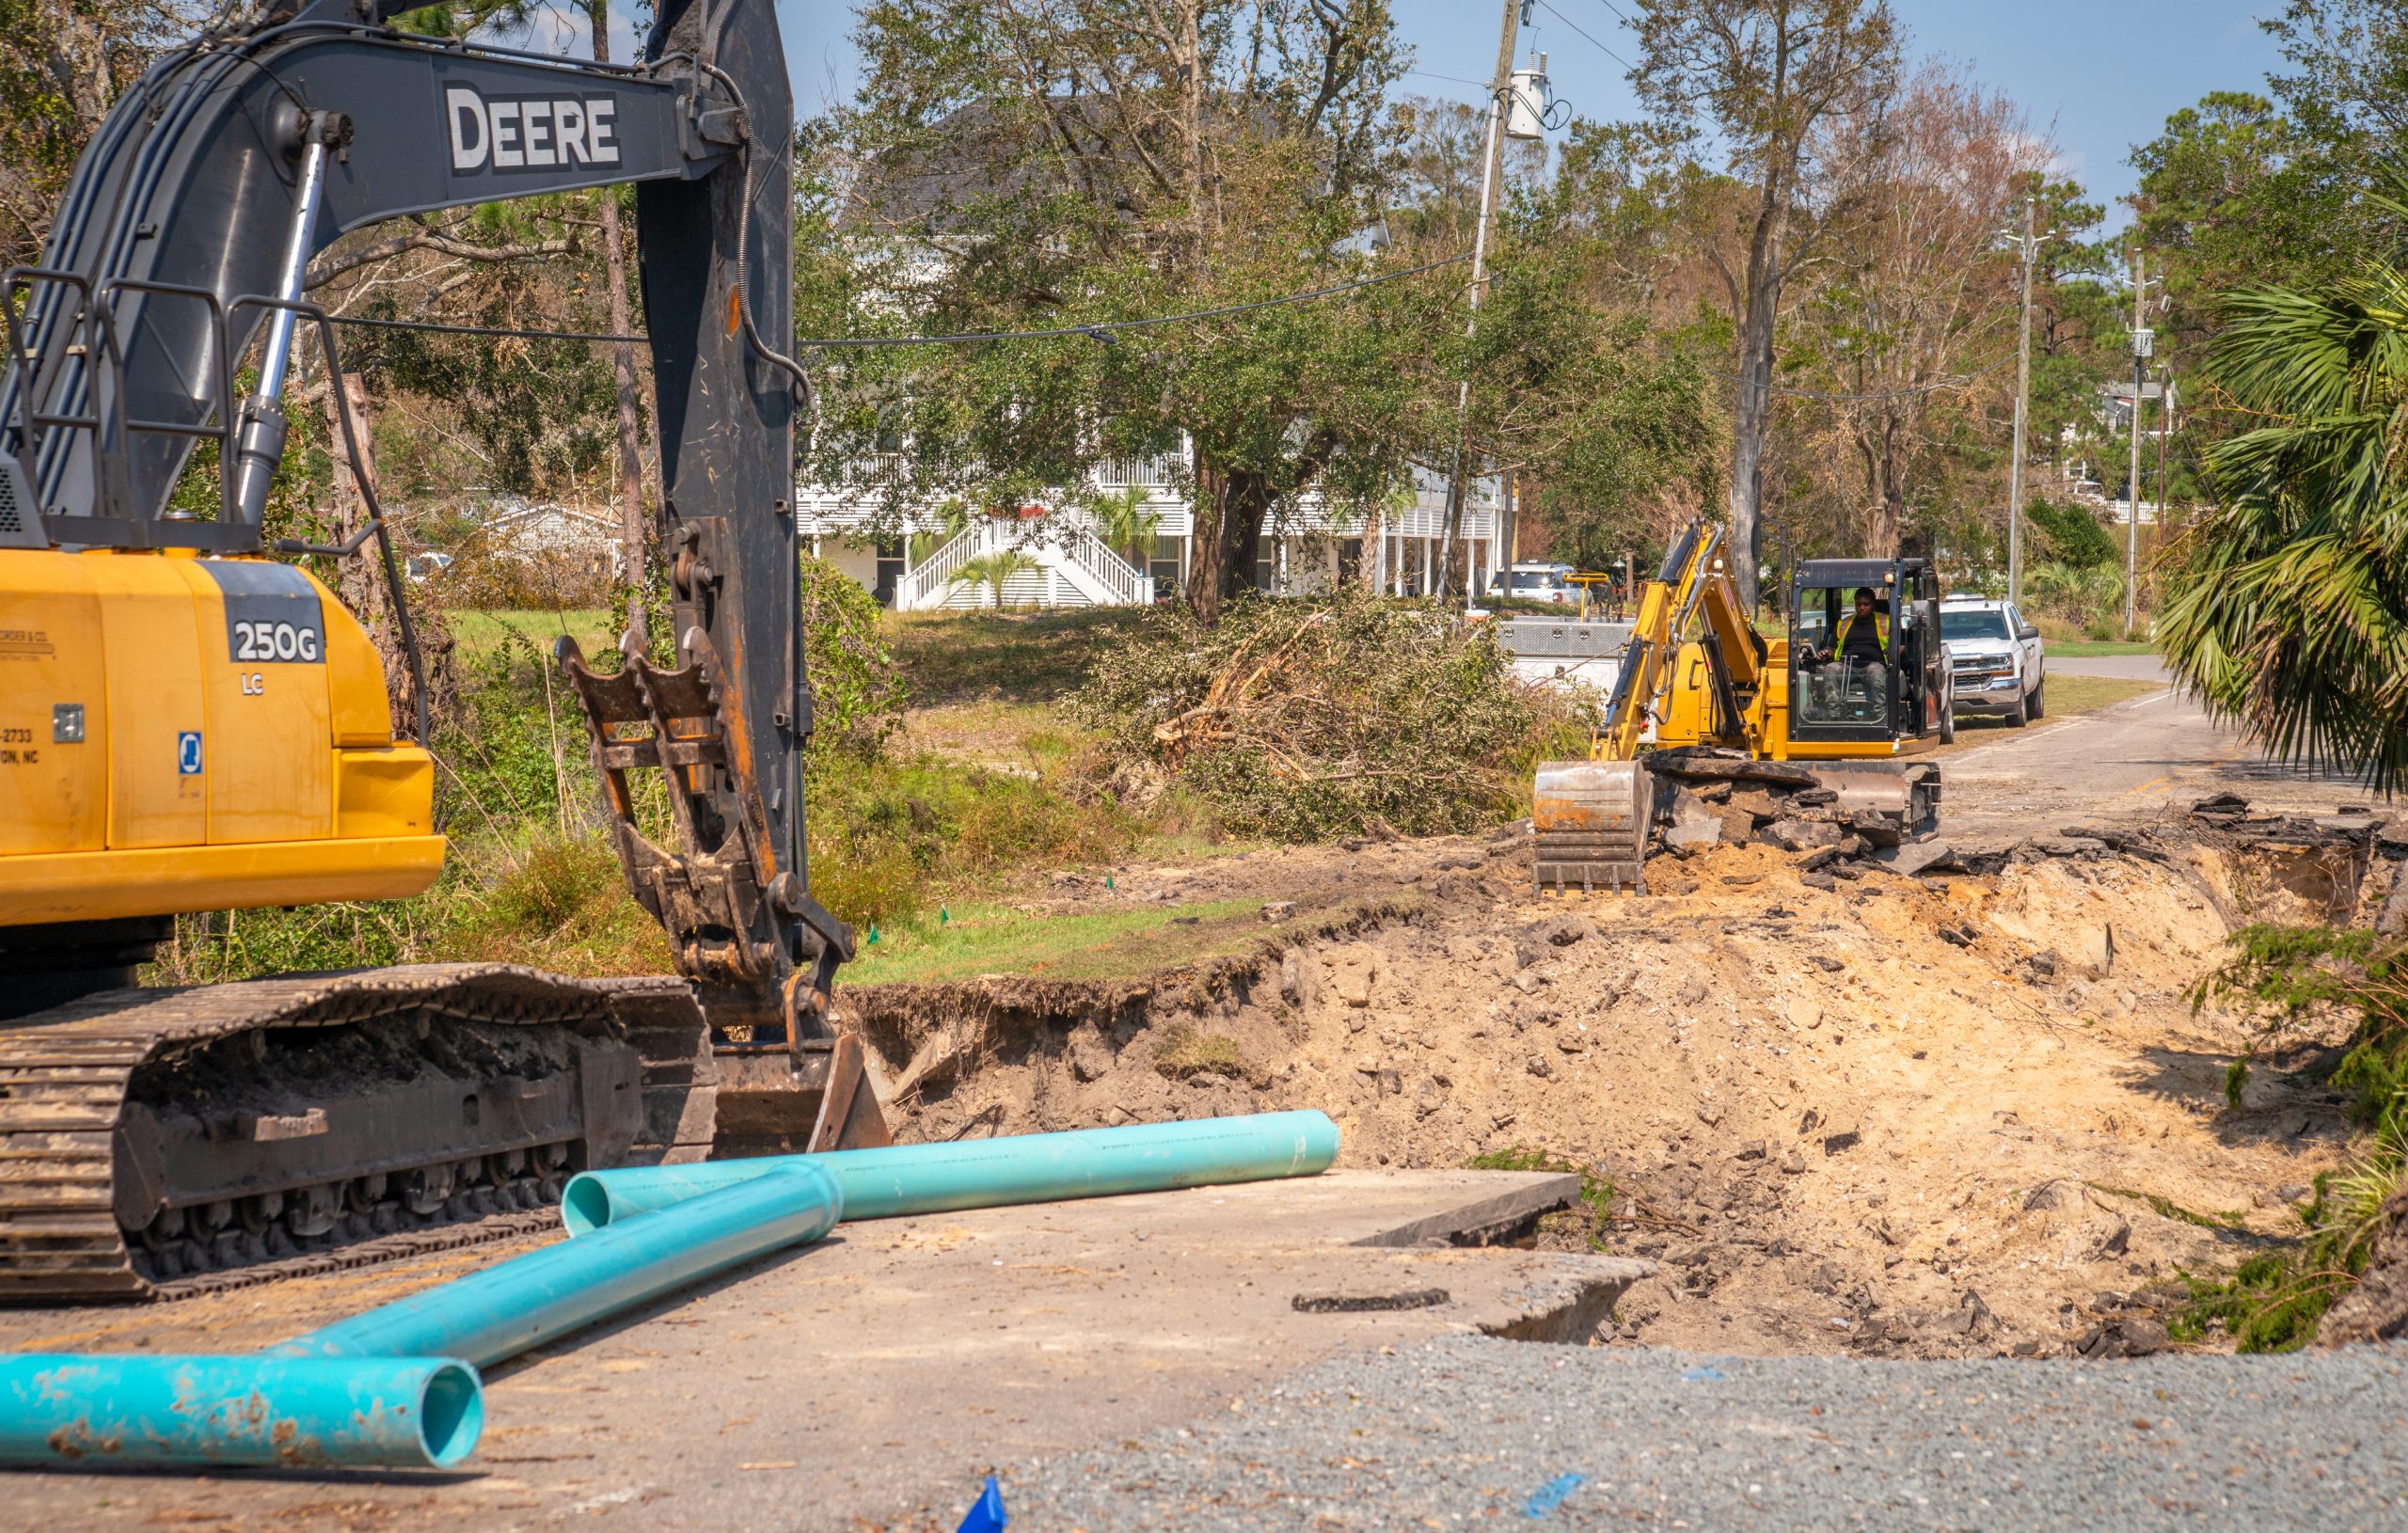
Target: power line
{"type": "Point", "coordinates": [1453, 79]}
{"type": "Point", "coordinates": [1102, 331]}
{"type": "Point", "coordinates": [1592, 42]}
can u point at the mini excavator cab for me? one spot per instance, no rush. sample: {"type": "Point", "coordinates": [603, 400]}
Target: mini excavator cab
{"type": "Point", "coordinates": [1865, 659]}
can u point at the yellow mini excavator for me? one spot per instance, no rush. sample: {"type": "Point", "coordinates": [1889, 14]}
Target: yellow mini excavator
{"type": "Point", "coordinates": [1856, 690]}
{"type": "Point", "coordinates": [187, 723]}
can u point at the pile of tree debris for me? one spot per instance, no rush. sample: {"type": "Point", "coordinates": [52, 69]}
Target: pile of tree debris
{"type": "Point", "coordinates": [1306, 719]}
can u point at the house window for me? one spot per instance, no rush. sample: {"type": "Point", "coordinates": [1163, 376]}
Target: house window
{"type": "Point", "coordinates": [1164, 565]}
{"type": "Point", "coordinates": [890, 570]}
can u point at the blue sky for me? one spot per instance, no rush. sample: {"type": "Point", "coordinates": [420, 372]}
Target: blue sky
{"type": "Point", "coordinates": [2099, 75]}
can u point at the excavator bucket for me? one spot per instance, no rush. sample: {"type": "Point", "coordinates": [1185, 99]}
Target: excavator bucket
{"type": "Point", "coordinates": [1589, 821]}
{"type": "Point", "coordinates": [1905, 795]}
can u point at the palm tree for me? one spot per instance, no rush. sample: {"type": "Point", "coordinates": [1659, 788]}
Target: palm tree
{"type": "Point", "coordinates": [992, 570]}
{"type": "Point", "coordinates": [1126, 526]}
{"type": "Point", "coordinates": [2289, 613]}
{"type": "Point", "coordinates": [951, 517]}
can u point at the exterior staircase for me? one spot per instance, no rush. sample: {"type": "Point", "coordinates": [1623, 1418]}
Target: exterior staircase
{"type": "Point", "coordinates": [1073, 569]}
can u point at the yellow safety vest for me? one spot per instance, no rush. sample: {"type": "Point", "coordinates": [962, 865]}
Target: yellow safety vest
{"type": "Point", "coordinates": [1880, 627]}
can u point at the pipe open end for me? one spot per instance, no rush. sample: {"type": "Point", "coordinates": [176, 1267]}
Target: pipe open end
{"type": "Point", "coordinates": [451, 1413]}
{"type": "Point", "coordinates": [585, 1204]}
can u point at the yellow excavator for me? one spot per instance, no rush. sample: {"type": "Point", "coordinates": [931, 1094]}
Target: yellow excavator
{"type": "Point", "coordinates": [190, 724]}
{"type": "Point", "coordinates": [1857, 689]}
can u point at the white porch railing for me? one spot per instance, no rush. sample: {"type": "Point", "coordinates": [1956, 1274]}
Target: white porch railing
{"type": "Point", "coordinates": [1074, 568]}
{"type": "Point", "coordinates": [1127, 585]}
{"type": "Point", "coordinates": [925, 586]}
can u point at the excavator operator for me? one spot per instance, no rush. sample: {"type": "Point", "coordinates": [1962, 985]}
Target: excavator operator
{"type": "Point", "coordinates": [1863, 645]}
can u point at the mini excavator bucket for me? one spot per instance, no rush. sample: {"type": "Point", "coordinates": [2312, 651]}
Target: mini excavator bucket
{"type": "Point", "coordinates": [1591, 821]}
{"type": "Point", "coordinates": [1881, 796]}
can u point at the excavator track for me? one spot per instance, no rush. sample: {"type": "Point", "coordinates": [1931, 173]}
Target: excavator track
{"type": "Point", "coordinates": [161, 1143]}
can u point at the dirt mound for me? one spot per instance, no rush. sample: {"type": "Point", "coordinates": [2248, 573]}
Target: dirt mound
{"type": "Point", "coordinates": [1912, 1115]}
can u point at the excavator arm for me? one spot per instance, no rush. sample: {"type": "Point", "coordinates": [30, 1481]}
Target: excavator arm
{"type": "Point", "coordinates": [166, 313]}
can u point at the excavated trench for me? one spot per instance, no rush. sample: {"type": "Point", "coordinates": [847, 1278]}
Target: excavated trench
{"type": "Point", "coordinates": [1963, 1114]}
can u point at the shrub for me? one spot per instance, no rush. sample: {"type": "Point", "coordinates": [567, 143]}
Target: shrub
{"type": "Point", "coordinates": [559, 902]}
{"type": "Point", "coordinates": [856, 695]}
{"type": "Point", "coordinates": [2275, 1301]}
{"type": "Point", "coordinates": [2089, 596]}
{"type": "Point", "coordinates": [2071, 534]}
{"type": "Point", "coordinates": [884, 836]}
{"type": "Point", "coordinates": [1306, 719]}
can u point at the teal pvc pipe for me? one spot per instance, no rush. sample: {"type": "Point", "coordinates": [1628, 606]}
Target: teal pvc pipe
{"type": "Point", "coordinates": [387, 1413]}
{"type": "Point", "coordinates": [988, 1173]}
{"type": "Point", "coordinates": [528, 1299]}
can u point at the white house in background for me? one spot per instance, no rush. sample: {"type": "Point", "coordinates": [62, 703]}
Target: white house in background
{"type": "Point", "coordinates": [1307, 544]}
{"type": "Point", "coordinates": [556, 536]}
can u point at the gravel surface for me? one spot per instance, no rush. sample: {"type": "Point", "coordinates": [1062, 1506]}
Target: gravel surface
{"type": "Point", "coordinates": [1469, 1428]}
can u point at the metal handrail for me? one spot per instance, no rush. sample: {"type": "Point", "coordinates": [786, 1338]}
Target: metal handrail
{"type": "Point", "coordinates": [222, 432]}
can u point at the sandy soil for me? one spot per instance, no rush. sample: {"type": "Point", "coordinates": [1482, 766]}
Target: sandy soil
{"type": "Point", "coordinates": [1968, 1114]}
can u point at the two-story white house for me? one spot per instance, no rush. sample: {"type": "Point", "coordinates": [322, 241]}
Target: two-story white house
{"type": "Point", "coordinates": [1307, 544]}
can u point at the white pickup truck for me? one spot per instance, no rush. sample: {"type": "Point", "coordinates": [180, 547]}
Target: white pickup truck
{"type": "Point", "coordinates": [1996, 660]}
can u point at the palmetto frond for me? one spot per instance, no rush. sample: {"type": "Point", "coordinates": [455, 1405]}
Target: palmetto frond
{"type": "Point", "coordinates": [2289, 613]}
{"type": "Point", "coordinates": [995, 569]}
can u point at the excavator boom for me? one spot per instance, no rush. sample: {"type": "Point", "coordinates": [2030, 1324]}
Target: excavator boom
{"type": "Point", "coordinates": [205, 728]}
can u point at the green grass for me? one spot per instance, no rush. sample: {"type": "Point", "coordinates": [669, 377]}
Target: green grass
{"type": "Point", "coordinates": [2070, 695]}
{"type": "Point", "coordinates": [479, 633]}
{"type": "Point", "coordinates": [994, 938]}
{"type": "Point", "coordinates": [950, 657]}
{"type": "Point", "coordinates": [1597, 1192]}
{"type": "Point", "coordinates": [2167, 1209]}
{"type": "Point", "coordinates": [2084, 648]}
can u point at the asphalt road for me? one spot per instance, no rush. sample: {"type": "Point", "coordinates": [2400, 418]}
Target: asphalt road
{"type": "Point", "coordinates": [2133, 762]}
{"type": "Point", "coordinates": [1458, 1430]}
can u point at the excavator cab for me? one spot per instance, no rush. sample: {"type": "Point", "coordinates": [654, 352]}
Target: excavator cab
{"type": "Point", "coordinates": [1865, 655]}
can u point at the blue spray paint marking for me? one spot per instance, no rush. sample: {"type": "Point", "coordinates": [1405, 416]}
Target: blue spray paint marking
{"type": "Point", "coordinates": [987, 1514]}
{"type": "Point", "coordinates": [1703, 1375]}
{"type": "Point", "coordinates": [1550, 1496]}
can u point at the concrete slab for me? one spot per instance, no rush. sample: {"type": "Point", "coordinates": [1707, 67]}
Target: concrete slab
{"type": "Point", "coordinates": [870, 1380]}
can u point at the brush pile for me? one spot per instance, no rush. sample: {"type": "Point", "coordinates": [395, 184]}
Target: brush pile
{"type": "Point", "coordinates": [1306, 720]}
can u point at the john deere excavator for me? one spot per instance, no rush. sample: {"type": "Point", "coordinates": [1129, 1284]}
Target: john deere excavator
{"type": "Point", "coordinates": [188, 723]}
{"type": "Point", "coordinates": [1697, 677]}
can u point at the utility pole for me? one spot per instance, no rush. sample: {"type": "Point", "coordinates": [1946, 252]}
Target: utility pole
{"type": "Point", "coordinates": [1501, 96]}
{"type": "Point", "coordinates": [2143, 344]}
{"type": "Point", "coordinates": [2029, 246]}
